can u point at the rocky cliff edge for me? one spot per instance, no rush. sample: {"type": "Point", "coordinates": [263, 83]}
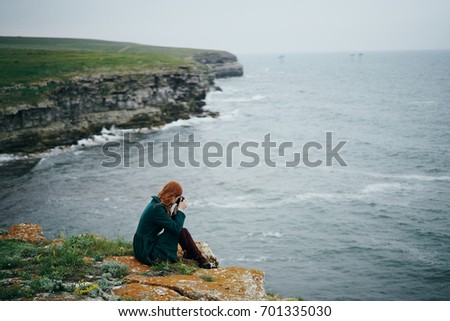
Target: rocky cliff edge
{"type": "Point", "coordinates": [27, 275]}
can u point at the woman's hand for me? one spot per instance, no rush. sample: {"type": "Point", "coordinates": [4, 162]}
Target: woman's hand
{"type": "Point", "coordinates": [183, 205]}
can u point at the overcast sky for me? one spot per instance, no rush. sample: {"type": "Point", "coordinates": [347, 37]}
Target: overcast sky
{"type": "Point", "coordinates": [239, 26]}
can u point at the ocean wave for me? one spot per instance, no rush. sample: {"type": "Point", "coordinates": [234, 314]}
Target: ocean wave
{"type": "Point", "coordinates": [381, 187]}
{"type": "Point", "coordinates": [44, 163]}
{"type": "Point", "coordinates": [243, 99]}
{"type": "Point", "coordinates": [254, 259]}
{"type": "Point", "coordinates": [253, 201]}
{"type": "Point", "coordinates": [5, 158]}
{"type": "Point", "coordinates": [424, 178]}
{"type": "Point", "coordinates": [188, 122]}
{"type": "Point", "coordinates": [230, 115]}
{"type": "Point", "coordinates": [106, 135]}
{"type": "Point", "coordinates": [276, 235]}
{"type": "Point", "coordinates": [422, 102]}
{"type": "Point", "coordinates": [264, 235]}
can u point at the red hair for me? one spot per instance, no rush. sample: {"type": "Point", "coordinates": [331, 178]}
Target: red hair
{"type": "Point", "coordinates": [171, 190]}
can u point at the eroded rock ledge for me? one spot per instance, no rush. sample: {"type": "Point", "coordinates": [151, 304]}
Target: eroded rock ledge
{"type": "Point", "coordinates": [60, 108]}
{"type": "Point", "coordinates": [142, 283]}
{"type": "Point", "coordinates": [222, 63]}
{"type": "Point", "coordinates": [82, 106]}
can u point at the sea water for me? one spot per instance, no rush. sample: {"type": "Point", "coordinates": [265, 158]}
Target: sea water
{"type": "Point", "coordinates": [375, 229]}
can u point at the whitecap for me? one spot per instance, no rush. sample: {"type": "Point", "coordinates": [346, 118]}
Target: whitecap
{"type": "Point", "coordinates": [256, 259]}
{"type": "Point", "coordinates": [326, 196]}
{"type": "Point", "coordinates": [381, 187]}
{"type": "Point", "coordinates": [273, 235]}
{"type": "Point", "coordinates": [106, 135]}
{"type": "Point", "coordinates": [44, 163]}
{"type": "Point", "coordinates": [4, 158]}
{"type": "Point", "coordinates": [235, 205]}
{"type": "Point", "coordinates": [425, 178]}
{"type": "Point", "coordinates": [243, 99]}
{"type": "Point", "coordinates": [423, 102]}
{"type": "Point", "coordinates": [188, 122]}
{"type": "Point", "coordinates": [53, 152]}
{"type": "Point", "coordinates": [230, 115]}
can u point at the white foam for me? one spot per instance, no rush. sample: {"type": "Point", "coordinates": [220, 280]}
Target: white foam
{"type": "Point", "coordinates": [424, 178]}
{"type": "Point", "coordinates": [188, 122]}
{"type": "Point", "coordinates": [236, 205]}
{"type": "Point", "coordinates": [264, 235]}
{"type": "Point", "coordinates": [106, 135]}
{"type": "Point", "coordinates": [256, 259]}
{"type": "Point", "coordinates": [273, 235]}
{"type": "Point", "coordinates": [44, 163]}
{"type": "Point", "coordinates": [244, 99]}
{"type": "Point", "coordinates": [230, 115]}
{"type": "Point", "coordinates": [308, 196]}
{"type": "Point", "coordinates": [4, 158]}
{"type": "Point", "coordinates": [381, 187]}
{"type": "Point", "coordinates": [423, 102]}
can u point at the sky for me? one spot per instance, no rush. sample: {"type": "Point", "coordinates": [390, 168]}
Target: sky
{"type": "Point", "coordinates": [239, 26]}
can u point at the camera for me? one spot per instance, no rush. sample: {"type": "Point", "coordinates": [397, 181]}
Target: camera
{"type": "Point", "coordinates": [179, 200]}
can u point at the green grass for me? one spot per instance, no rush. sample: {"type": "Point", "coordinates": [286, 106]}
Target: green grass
{"type": "Point", "coordinates": [24, 66]}
{"type": "Point", "coordinates": [45, 267]}
{"type": "Point", "coordinates": [27, 65]}
{"type": "Point", "coordinates": [277, 297]}
{"type": "Point", "coordinates": [94, 246]}
{"type": "Point", "coordinates": [166, 268]}
{"type": "Point", "coordinates": [207, 278]}
{"type": "Point", "coordinates": [14, 292]}
{"type": "Point", "coordinates": [93, 45]}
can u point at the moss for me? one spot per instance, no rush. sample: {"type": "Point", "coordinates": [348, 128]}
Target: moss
{"type": "Point", "coordinates": [166, 268]}
{"type": "Point", "coordinates": [16, 253]}
{"type": "Point", "coordinates": [45, 268]}
{"type": "Point", "coordinates": [44, 284]}
{"type": "Point", "coordinates": [91, 290]}
{"type": "Point", "coordinates": [115, 269]}
{"type": "Point", "coordinates": [277, 297]}
{"type": "Point", "coordinates": [14, 292]}
{"type": "Point", "coordinates": [207, 278]}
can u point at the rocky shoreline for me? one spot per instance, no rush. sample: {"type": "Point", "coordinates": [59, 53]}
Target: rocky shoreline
{"type": "Point", "coordinates": [82, 106]}
{"type": "Point", "coordinates": [79, 268]}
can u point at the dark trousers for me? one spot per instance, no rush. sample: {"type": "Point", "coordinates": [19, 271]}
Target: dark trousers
{"type": "Point", "coordinates": [190, 249]}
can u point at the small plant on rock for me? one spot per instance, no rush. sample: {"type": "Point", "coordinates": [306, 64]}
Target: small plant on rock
{"type": "Point", "coordinates": [115, 269]}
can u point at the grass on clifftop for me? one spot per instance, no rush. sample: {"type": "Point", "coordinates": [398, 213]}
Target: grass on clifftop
{"type": "Point", "coordinates": [27, 61]}
{"type": "Point", "coordinates": [28, 269]}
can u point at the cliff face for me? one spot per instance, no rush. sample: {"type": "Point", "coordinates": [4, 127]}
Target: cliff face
{"type": "Point", "coordinates": [81, 106]}
{"type": "Point", "coordinates": [223, 64]}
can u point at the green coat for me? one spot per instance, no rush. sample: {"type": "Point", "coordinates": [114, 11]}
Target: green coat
{"type": "Point", "coordinates": [149, 244]}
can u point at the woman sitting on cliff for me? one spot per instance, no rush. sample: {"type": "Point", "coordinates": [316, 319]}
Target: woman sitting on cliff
{"type": "Point", "coordinates": [159, 231]}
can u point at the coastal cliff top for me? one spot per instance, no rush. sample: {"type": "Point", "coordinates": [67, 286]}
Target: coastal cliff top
{"type": "Point", "coordinates": [89, 267]}
{"type": "Point", "coordinates": [29, 67]}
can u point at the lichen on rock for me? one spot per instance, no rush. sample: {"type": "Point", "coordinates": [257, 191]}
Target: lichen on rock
{"type": "Point", "coordinates": [124, 278]}
{"type": "Point", "coordinates": [27, 232]}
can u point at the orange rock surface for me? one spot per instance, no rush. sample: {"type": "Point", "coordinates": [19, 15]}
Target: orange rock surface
{"type": "Point", "coordinates": [27, 232]}
{"type": "Point", "coordinates": [141, 292]}
{"type": "Point", "coordinates": [206, 251]}
{"type": "Point", "coordinates": [135, 266]}
{"type": "Point", "coordinates": [222, 284]}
